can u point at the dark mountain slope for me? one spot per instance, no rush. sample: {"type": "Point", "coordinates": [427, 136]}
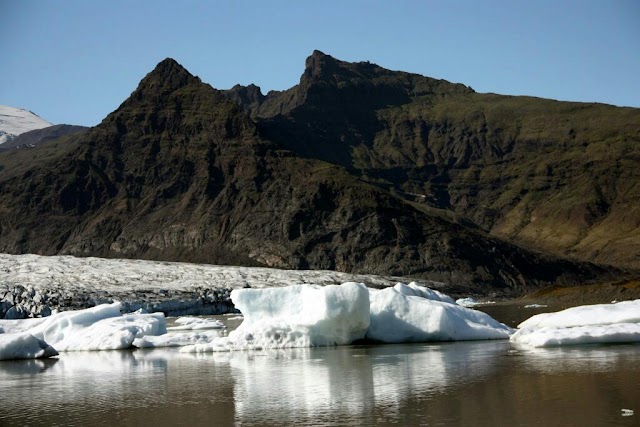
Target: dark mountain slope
{"type": "Point", "coordinates": [179, 172]}
{"type": "Point", "coordinates": [37, 136]}
{"type": "Point", "coordinates": [555, 176]}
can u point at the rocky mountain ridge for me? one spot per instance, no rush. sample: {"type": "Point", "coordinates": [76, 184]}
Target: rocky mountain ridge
{"type": "Point", "coordinates": [555, 176]}
{"type": "Point", "coordinates": [307, 178]}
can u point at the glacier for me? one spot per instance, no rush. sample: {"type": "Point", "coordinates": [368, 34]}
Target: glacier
{"type": "Point", "coordinates": [34, 285]}
{"type": "Point", "coordinates": [310, 315]}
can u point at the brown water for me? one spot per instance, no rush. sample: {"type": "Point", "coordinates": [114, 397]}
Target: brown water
{"type": "Point", "coordinates": [470, 384]}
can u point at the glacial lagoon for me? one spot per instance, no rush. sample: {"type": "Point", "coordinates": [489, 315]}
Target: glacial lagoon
{"type": "Point", "coordinates": [465, 383]}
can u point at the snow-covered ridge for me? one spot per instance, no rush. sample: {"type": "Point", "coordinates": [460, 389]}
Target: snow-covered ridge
{"type": "Point", "coordinates": [33, 285]}
{"type": "Point", "coordinates": [16, 121]}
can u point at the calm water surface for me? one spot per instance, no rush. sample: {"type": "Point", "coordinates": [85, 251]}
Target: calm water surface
{"type": "Point", "coordinates": [471, 384]}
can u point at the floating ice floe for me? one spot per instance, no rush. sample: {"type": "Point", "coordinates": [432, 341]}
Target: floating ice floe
{"type": "Point", "coordinates": [467, 302]}
{"type": "Point", "coordinates": [97, 328]}
{"type": "Point", "coordinates": [588, 324]}
{"type": "Point", "coordinates": [24, 346]}
{"type": "Point", "coordinates": [471, 302]}
{"type": "Point", "coordinates": [535, 306]}
{"type": "Point", "coordinates": [398, 316]}
{"type": "Point", "coordinates": [176, 339]}
{"type": "Point", "coordinates": [189, 323]}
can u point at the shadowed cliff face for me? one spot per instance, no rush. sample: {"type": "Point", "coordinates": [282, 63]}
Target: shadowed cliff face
{"type": "Point", "coordinates": [555, 176]}
{"type": "Point", "coordinates": [181, 172]}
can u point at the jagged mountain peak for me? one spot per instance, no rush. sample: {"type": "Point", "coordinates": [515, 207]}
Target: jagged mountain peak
{"type": "Point", "coordinates": [167, 76]}
{"type": "Point", "coordinates": [320, 65]}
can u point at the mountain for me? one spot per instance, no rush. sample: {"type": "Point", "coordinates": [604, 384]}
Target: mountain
{"type": "Point", "coordinates": [16, 121]}
{"type": "Point", "coordinates": [37, 136]}
{"type": "Point", "coordinates": [559, 177]}
{"type": "Point", "coordinates": [308, 178]}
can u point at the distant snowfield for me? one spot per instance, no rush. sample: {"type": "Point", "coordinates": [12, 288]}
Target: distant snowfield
{"type": "Point", "coordinates": [16, 121]}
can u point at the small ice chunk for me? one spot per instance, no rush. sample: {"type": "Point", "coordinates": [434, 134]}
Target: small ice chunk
{"type": "Point", "coordinates": [24, 346]}
{"type": "Point", "coordinates": [176, 339]}
{"type": "Point", "coordinates": [535, 306]}
{"type": "Point", "coordinates": [588, 324]}
{"type": "Point", "coordinates": [627, 412]}
{"type": "Point", "coordinates": [467, 302]}
{"type": "Point", "coordinates": [397, 318]}
{"type": "Point", "coordinates": [196, 323]}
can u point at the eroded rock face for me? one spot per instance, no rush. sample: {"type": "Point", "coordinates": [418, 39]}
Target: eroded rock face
{"type": "Point", "coordinates": [180, 172]}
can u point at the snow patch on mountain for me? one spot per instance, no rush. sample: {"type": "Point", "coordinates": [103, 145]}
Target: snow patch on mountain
{"type": "Point", "coordinates": [16, 121]}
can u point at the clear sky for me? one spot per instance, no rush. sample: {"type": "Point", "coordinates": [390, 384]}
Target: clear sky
{"type": "Point", "coordinates": [75, 61]}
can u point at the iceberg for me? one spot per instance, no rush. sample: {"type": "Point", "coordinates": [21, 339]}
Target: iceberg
{"type": "Point", "coordinates": [285, 317]}
{"type": "Point", "coordinates": [398, 317]}
{"type": "Point", "coordinates": [588, 324]}
{"type": "Point", "coordinates": [309, 315]}
{"type": "Point", "coordinates": [98, 328]}
{"type": "Point", "coordinates": [24, 346]}
{"type": "Point", "coordinates": [296, 316]}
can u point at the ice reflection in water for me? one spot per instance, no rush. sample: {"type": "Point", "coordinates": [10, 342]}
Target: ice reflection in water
{"type": "Point", "coordinates": [481, 383]}
{"type": "Point", "coordinates": [348, 380]}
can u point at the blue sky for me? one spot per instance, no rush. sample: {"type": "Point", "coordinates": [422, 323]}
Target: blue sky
{"type": "Point", "coordinates": [75, 61]}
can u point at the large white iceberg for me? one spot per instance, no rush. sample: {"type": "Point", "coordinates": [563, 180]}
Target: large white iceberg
{"type": "Point", "coordinates": [398, 316]}
{"type": "Point", "coordinates": [307, 315]}
{"type": "Point", "coordinates": [23, 346]}
{"type": "Point", "coordinates": [296, 316]}
{"type": "Point", "coordinates": [588, 324]}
